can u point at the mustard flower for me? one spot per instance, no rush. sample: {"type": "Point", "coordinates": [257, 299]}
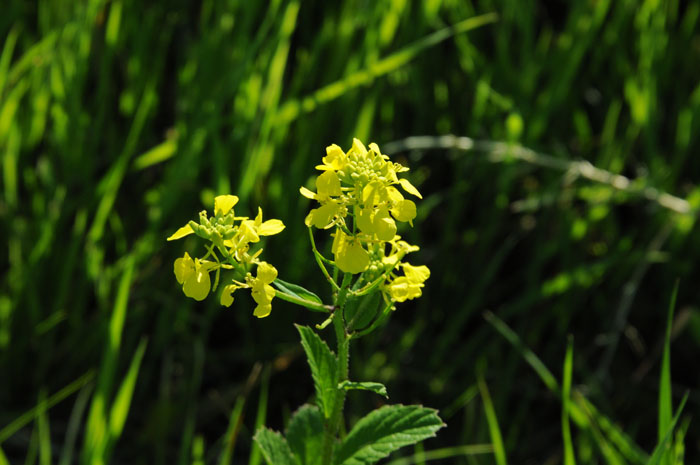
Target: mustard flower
{"type": "Point", "coordinates": [194, 276]}
{"type": "Point", "coordinates": [409, 286]}
{"type": "Point", "coordinates": [262, 292]}
{"type": "Point", "coordinates": [350, 256]}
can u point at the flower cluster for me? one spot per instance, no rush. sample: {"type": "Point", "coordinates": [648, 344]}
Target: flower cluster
{"type": "Point", "coordinates": [360, 200]}
{"type": "Point", "coordinates": [232, 237]}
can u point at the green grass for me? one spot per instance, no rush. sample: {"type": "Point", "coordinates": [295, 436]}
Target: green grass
{"type": "Point", "coordinates": [572, 212]}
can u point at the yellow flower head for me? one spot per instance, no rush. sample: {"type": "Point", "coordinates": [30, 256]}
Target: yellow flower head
{"type": "Point", "coordinates": [194, 276]}
{"type": "Point", "coordinates": [231, 236]}
{"type": "Point", "coordinates": [350, 256]}
{"type": "Point", "coordinates": [362, 183]}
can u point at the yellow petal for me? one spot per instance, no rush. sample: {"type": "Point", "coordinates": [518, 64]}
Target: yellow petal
{"type": "Point", "coordinates": [270, 227]}
{"type": "Point", "coordinates": [197, 285]}
{"type": "Point", "coordinates": [248, 231]}
{"type": "Point", "coordinates": [262, 293]}
{"type": "Point", "coordinates": [184, 268]}
{"type": "Point", "coordinates": [334, 159]}
{"type": "Point", "coordinates": [358, 147]}
{"type": "Point", "coordinates": [307, 193]}
{"type": "Point", "coordinates": [394, 195]}
{"type": "Point", "coordinates": [182, 232]}
{"type": "Point", "coordinates": [404, 211]}
{"type": "Point", "coordinates": [352, 257]}
{"type": "Point", "coordinates": [364, 220]}
{"type": "Point", "coordinates": [227, 295]}
{"type": "Point", "coordinates": [338, 240]}
{"type": "Point", "coordinates": [322, 216]}
{"type": "Point", "coordinates": [374, 193]}
{"type": "Point", "coordinates": [398, 289]}
{"type": "Point", "coordinates": [402, 289]}
{"type": "Point", "coordinates": [416, 274]}
{"type": "Point", "coordinates": [384, 225]}
{"type": "Point", "coordinates": [224, 203]}
{"type": "Point", "coordinates": [261, 311]}
{"type": "Point", "coordinates": [328, 184]}
{"type": "Point", "coordinates": [408, 187]}
{"type": "Point", "coordinates": [266, 273]}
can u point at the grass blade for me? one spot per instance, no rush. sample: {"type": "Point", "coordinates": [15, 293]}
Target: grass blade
{"type": "Point", "coordinates": [566, 402]}
{"type": "Point", "coordinates": [74, 425]}
{"type": "Point", "coordinates": [255, 454]}
{"type": "Point", "coordinates": [665, 401]}
{"type": "Point", "coordinates": [234, 424]}
{"type": "Point", "coordinates": [445, 453]}
{"type": "Point", "coordinates": [494, 431]}
{"type": "Point", "coordinates": [122, 401]}
{"type": "Point", "coordinates": [30, 415]}
{"type": "Point", "coordinates": [292, 109]}
{"type": "Point", "coordinates": [661, 447]}
{"type": "Point", "coordinates": [43, 432]}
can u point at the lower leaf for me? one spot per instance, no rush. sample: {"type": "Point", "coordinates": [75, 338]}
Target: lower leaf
{"type": "Point", "coordinates": [385, 430]}
{"type": "Point", "coordinates": [305, 434]}
{"type": "Point", "coordinates": [274, 447]}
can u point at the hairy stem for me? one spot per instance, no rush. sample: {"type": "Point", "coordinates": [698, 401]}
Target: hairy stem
{"type": "Point", "coordinates": [332, 425]}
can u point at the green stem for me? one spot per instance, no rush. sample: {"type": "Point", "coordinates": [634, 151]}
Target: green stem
{"type": "Point", "coordinates": [319, 259]}
{"type": "Point", "coordinates": [332, 425]}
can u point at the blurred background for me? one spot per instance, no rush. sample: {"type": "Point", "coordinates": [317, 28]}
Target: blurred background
{"type": "Point", "coordinates": [120, 120]}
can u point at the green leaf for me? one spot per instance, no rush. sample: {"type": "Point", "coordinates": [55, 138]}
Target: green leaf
{"type": "Point", "coordinates": [274, 447]}
{"type": "Point", "coordinates": [324, 368]}
{"type": "Point", "coordinates": [305, 434]}
{"type": "Point", "coordinates": [296, 291]}
{"type": "Point", "coordinates": [385, 430]}
{"type": "Point", "coordinates": [379, 388]}
{"type": "Point", "coordinates": [299, 296]}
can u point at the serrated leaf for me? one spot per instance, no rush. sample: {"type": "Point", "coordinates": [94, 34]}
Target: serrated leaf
{"type": "Point", "coordinates": [378, 388]}
{"type": "Point", "coordinates": [274, 447]}
{"type": "Point", "coordinates": [297, 291]}
{"type": "Point", "coordinates": [324, 368]}
{"type": "Point", "coordinates": [305, 434]}
{"type": "Point", "coordinates": [385, 430]}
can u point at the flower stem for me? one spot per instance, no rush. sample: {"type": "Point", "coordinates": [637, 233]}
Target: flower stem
{"type": "Point", "coordinates": [319, 259]}
{"type": "Point", "coordinates": [332, 425]}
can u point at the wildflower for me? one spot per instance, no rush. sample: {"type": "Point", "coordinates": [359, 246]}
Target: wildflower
{"type": "Point", "coordinates": [194, 276]}
{"type": "Point", "coordinates": [350, 256]}
{"type": "Point", "coordinates": [262, 292]}
{"type": "Point", "coordinates": [231, 236]}
{"type": "Point", "coordinates": [361, 181]}
{"type": "Point", "coordinates": [408, 286]}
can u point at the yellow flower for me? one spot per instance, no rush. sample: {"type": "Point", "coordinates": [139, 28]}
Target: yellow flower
{"type": "Point", "coordinates": [323, 216]}
{"type": "Point", "coordinates": [409, 286]}
{"type": "Point", "coordinates": [261, 291]}
{"type": "Point", "coordinates": [250, 231]}
{"type": "Point", "coordinates": [377, 222]}
{"type": "Point", "coordinates": [350, 256]}
{"type": "Point", "coordinates": [194, 276]}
